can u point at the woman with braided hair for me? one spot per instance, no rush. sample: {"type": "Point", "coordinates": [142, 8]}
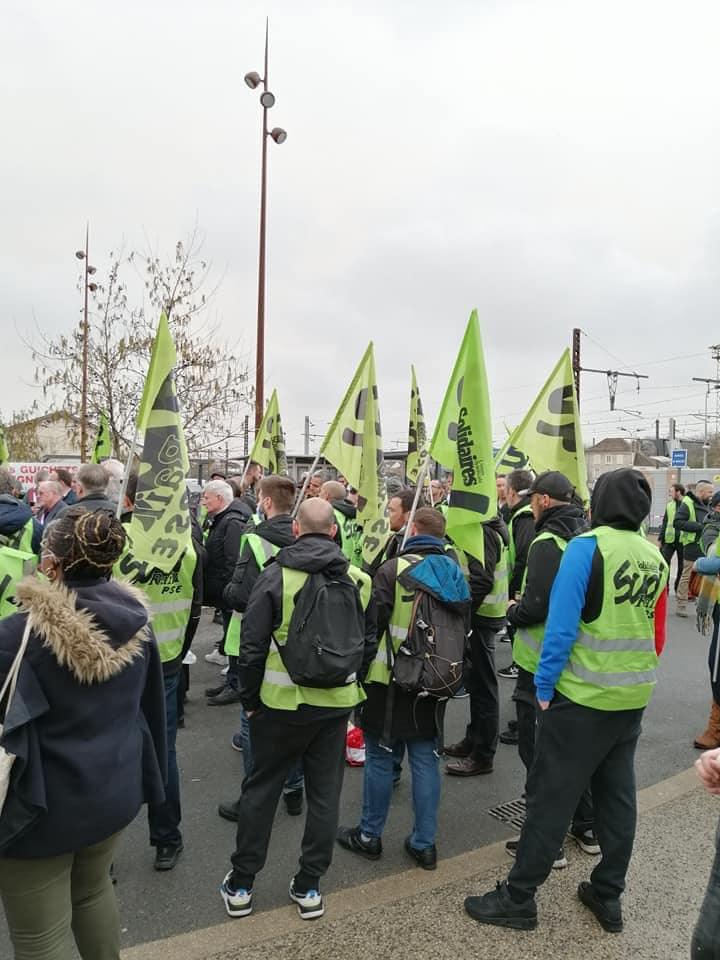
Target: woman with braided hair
{"type": "Point", "coordinates": [86, 724]}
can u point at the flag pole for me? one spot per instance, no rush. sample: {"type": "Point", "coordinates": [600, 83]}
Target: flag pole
{"type": "Point", "coordinates": [305, 485]}
{"type": "Point", "coordinates": [126, 475]}
{"type": "Point", "coordinates": [418, 490]}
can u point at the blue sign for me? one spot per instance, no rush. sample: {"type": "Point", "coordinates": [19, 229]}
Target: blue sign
{"type": "Point", "coordinates": [679, 458]}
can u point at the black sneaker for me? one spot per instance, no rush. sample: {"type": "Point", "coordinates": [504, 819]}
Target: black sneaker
{"type": "Point", "coordinates": [214, 691]}
{"type": "Point", "coordinates": [294, 802]}
{"type": "Point", "coordinates": [427, 858]}
{"type": "Point", "coordinates": [559, 863]}
{"type": "Point", "coordinates": [497, 908]}
{"type": "Point", "coordinates": [230, 811]}
{"type": "Point", "coordinates": [510, 736]}
{"type": "Point", "coordinates": [586, 840]}
{"type": "Point", "coordinates": [227, 695]}
{"type": "Point", "coordinates": [607, 912]}
{"type": "Point", "coordinates": [509, 673]}
{"type": "Point", "coordinates": [167, 855]}
{"type": "Point", "coordinates": [351, 839]}
{"type": "Point", "coordinates": [310, 905]}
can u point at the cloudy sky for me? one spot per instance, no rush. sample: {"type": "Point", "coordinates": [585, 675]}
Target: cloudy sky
{"type": "Point", "coordinates": [553, 163]}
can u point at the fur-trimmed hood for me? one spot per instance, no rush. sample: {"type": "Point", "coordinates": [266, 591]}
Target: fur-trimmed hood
{"type": "Point", "coordinates": [95, 630]}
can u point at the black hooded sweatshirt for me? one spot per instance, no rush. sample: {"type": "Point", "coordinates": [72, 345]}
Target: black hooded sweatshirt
{"type": "Point", "coordinates": [277, 531]}
{"type": "Point", "coordinates": [312, 553]}
{"type": "Point", "coordinates": [543, 561]}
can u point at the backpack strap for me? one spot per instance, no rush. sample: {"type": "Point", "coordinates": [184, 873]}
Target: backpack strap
{"type": "Point", "coordinates": [386, 736]}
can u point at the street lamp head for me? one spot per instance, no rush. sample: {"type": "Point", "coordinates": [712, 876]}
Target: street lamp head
{"type": "Point", "coordinates": [267, 99]}
{"type": "Point", "coordinates": [80, 254]}
{"type": "Point", "coordinates": [92, 287]}
{"type": "Point", "coordinates": [253, 79]}
{"type": "Point", "coordinates": [92, 269]}
{"type": "Point", "coordinates": [278, 134]}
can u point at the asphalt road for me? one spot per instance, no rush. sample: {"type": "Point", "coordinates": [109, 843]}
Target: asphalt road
{"type": "Point", "coordinates": [154, 905]}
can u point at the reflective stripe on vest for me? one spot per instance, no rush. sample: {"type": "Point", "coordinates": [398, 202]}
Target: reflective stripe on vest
{"type": "Point", "coordinates": [527, 642]}
{"type": "Point", "coordinates": [14, 565]}
{"type": "Point", "coordinates": [687, 536]}
{"type": "Point", "coordinates": [379, 671]}
{"type": "Point", "coordinates": [494, 606]}
{"type": "Point", "coordinates": [169, 617]}
{"type": "Point", "coordinates": [670, 531]}
{"type": "Point", "coordinates": [278, 692]}
{"type": "Point", "coordinates": [262, 550]}
{"type": "Point", "coordinates": [612, 662]}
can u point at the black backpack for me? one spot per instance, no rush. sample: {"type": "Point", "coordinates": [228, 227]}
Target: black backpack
{"type": "Point", "coordinates": [326, 635]}
{"type": "Point", "coordinates": [429, 662]}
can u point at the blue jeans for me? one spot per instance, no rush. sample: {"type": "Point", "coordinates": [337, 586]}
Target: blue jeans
{"type": "Point", "coordinates": [295, 779]}
{"type": "Point", "coordinates": [706, 939]}
{"type": "Point", "coordinates": [164, 818]}
{"type": "Point", "coordinates": [378, 788]}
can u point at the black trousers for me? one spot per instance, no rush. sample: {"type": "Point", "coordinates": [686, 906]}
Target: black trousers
{"type": "Point", "coordinates": [667, 550]}
{"type": "Point", "coordinates": [482, 686]}
{"type": "Point", "coordinates": [706, 938]}
{"type": "Point", "coordinates": [528, 715]}
{"type": "Point", "coordinates": [575, 746]}
{"type": "Point", "coordinates": [277, 745]}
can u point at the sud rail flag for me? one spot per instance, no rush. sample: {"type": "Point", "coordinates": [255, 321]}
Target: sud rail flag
{"type": "Point", "coordinates": [550, 434]}
{"type": "Point", "coordinates": [417, 434]}
{"type": "Point", "coordinates": [159, 532]}
{"type": "Point", "coordinates": [353, 444]}
{"type": "Point", "coordinates": [103, 447]}
{"type": "Point", "coordinates": [269, 447]}
{"type": "Point", "coordinates": [462, 442]}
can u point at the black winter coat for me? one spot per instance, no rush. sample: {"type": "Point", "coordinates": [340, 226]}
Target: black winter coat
{"type": "Point", "coordinates": [521, 528]}
{"type": "Point", "coordinates": [222, 548]}
{"type": "Point", "coordinates": [683, 523]}
{"type": "Point", "coordinates": [277, 531]}
{"type": "Point", "coordinates": [88, 719]}
{"type": "Point", "coordinates": [96, 501]}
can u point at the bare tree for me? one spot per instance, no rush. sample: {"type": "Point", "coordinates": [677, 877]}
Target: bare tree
{"type": "Point", "coordinates": [211, 380]}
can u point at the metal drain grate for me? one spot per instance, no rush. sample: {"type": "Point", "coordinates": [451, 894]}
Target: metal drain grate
{"type": "Point", "coordinates": [512, 812]}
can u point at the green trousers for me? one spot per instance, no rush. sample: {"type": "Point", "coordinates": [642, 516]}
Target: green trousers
{"type": "Point", "coordinates": [51, 901]}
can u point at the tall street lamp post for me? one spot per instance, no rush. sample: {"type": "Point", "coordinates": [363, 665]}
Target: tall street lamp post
{"type": "Point", "coordinates": [89, 287]}
{"type": "Point", "coordinates": [267, 100]}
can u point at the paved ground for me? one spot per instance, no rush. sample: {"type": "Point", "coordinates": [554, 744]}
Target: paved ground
{"type": "Point", "coordinates": [155, 906]}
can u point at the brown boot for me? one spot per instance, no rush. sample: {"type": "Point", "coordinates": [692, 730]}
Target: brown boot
{"type": "Point", "coordinates": [710, 739]}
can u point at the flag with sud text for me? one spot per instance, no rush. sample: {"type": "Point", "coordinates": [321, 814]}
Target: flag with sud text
{"type": "Point", "coordinates": [509, 458]}
{"type": "Point", "coordinates": [103, 447]}
{"type": "Point", "coordinates": [353, 444]}
{"type": "Point", "coordinates": [550, 434]}
{"type": "Point", "coordinates": [269, 447]}
{"type": "Point", "coordinates": [159, 532]}
{"type": "Point", "coordinates": [417, 433]}
{"type": "Point", "coordinates": [462, 442]}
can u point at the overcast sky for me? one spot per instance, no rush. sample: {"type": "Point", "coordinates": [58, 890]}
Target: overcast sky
{"type": "Point", "coordinates": [553, 163]}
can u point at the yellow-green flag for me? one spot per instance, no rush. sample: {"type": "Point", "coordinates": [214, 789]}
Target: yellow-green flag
{"type": "Point", "coordinates": [417, 434]}
{"type": "Point", "coordinates": [509, 458]}
{"type": "Point", "coordinates": [4, 452]}
{"type": "Point", "coordinates": [462, 441]}
{"type": "Point", "coordinates": [103, 447]}
{"type": "Point", "coordinates": [353, 444]}
{"type": "Point", "coordinates": [269, 447]}
{"type": "Point", "coordinates": [159, 532]}
{"type": "Point", "coordinates": [550, 434]}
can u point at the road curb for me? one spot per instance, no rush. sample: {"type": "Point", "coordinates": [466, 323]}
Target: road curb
{"type": "Point", "coordinates": [212, 941]}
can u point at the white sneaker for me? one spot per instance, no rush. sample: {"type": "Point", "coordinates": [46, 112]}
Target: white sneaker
{"type": "Point", "coordinates": [310, 905]}
{"type": "Point", "coordinates": [224, 671]}
{"type": "Point", "coordinates": [559, 863]}
{"type": "Point", "coordinates": [238, 903]}
{"type": "Point", "coordinates": [215, 657]}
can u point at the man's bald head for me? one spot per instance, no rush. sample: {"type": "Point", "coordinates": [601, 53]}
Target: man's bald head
{"type": "Point", "coordinates": [315, 516]}
{"type": "Point", "coordinates": [332, 490]}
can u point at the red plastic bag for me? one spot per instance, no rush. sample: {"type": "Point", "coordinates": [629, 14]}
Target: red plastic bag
{"type": "Point", "coordinates": [354, 747]}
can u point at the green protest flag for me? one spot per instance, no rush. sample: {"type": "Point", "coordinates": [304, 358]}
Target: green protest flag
{"type": "Point", "coordinates": [509, 458]}
{"type": "Point", "coordinates": [103, 447]}
{"type": "Point", "coordinates": [159, 532]}
{"type": "Point", "coordinates": [353, 444]}
{"type": "Point", "coordinates": [417, 434]}
{"type": "Point", "coordinates": [463, 442]}
{"type": "Point", "coordinates": [269, 447]}
{"type": "Point", "coordinates": [550, 434]}
{"type": "Point", "coordinates": [4, 452]}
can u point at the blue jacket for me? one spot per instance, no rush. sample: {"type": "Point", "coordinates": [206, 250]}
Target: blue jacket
{"type": "Point", "coordinates": [87, 723]}
{"type": "Point", "coordinates": [14, 514]}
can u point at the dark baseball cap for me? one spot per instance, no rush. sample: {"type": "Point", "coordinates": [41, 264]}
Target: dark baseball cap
{"type": "Point", "coordinates": [555, 484]}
